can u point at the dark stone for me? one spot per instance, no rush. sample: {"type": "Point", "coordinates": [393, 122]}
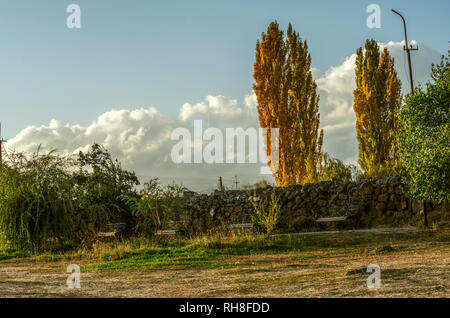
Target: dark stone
{"type": "Point", "coordinates": [381, 206]}
{"type": "Point", "coordinates": [383, 197]}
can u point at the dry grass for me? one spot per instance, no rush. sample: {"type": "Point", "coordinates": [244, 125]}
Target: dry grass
{"type": "Point", "coordinates": [408, 270]}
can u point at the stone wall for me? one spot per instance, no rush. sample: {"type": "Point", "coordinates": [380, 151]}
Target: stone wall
{"type": "Point", "coordinates": [372, 202]}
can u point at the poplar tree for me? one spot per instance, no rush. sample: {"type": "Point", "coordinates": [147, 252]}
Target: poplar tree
{"type": "Point", "coordinates": [287, 100]}
{"type": "Point", "coordinates": [377, 98]}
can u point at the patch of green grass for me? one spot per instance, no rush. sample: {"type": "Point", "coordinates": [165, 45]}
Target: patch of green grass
{"type": "Point", "coordinates": [210, 252]}
{"type": "Point", "coordinates": [214, 252]}
{"type": "Point", "coordinates": [158, 257]}
{"type": "Point", "coordinates": [6, 255]}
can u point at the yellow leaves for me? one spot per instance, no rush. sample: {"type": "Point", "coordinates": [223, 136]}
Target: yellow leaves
{"type": "Point", "coordinates": [286, 96]}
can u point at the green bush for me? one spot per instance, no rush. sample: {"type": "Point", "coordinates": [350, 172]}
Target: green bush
{"type": "Point", "coordinates": [49, 200]}
{"type": "Point", "coordinates": [37, 203]}
{"type": "Point", "coordinates": [157, 207]}
{"type": "Point", "coordinates": [267, 214]}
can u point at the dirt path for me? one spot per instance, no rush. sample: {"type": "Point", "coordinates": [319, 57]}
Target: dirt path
{"type": "Point", "coordinates": [424, 274]}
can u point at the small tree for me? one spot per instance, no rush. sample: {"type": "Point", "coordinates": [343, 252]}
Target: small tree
{"type": "Point", "coordinates": [100, 182]}
{"type": "Point", "coordinates": [424, 137]}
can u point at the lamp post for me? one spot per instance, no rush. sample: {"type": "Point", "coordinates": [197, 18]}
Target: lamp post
{"type": "Point", "coordinates": [407, 49]}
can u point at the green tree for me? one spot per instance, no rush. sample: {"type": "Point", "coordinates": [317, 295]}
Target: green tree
{"type": "Point", "coordinates": [424, 137]}
{"type": "Point", "coordinates": [376, 100]}
{"type": "Point", "coordinates": [100, 183]}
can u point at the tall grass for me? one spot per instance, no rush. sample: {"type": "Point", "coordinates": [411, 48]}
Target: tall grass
{"type": "Point", "coordinates": [37, 205]}
{"type": "Point", "coordinates": [48, 199]}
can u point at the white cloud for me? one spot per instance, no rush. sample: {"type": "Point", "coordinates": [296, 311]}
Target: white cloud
{"type": "Point", "coordinates": [250, 102]}
{"type": "Point", "coordinates": [220, 109]}
{"type": "Point", "coordinates": [140, 138]}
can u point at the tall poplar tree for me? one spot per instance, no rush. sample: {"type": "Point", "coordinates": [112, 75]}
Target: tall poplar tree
{"type": "Point", "coordinates": [287, 100]}
{"type": "Point", "coordinates": [376, 100]}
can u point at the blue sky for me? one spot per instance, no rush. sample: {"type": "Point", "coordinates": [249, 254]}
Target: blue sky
{"type": "Point", "coordinates": [131, 54]}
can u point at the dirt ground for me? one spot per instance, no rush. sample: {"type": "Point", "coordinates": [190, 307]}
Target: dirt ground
{"type": "Point", "coordinates": [423, 272]}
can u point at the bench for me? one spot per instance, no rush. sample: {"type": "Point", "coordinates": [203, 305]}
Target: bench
{"type": "Point", "coordinates": [241, 226]}
{"type": "Point", "coordinates": [166, 232]}
{"type": "Point", "coordinates": [111, 229]}
{"type": "Point", "coordinates": [333, 219]}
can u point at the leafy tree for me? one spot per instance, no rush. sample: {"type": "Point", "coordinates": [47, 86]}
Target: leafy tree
{"type": "Point", "coordinates": [335, 169]}
{"type": "Point", "coordinates": [376, 100]}
{"type": "Point", "coordinates": [287, 100]}
{"type": "Point", "coordinates": [424, 137]}
{"type": "Point", "coordinates": [100, 182]}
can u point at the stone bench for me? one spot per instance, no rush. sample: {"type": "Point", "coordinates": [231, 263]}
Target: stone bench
{"type": "Point", "coordinates": [332, 219]}
{"type": "Point", "coordinates": [241, 226]}
{"type": "Point", "coordinates": [166, 232]}
{"type": "Point", "coordinates": [111, 229]}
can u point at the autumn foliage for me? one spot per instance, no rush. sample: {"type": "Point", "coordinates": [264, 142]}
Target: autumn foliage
{"type": "Point", "coordinates": [376, 101]}
{"type": "Point", "coordinates": [287, 100]}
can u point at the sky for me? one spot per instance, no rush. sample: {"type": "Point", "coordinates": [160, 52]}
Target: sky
{"type": "Point", "coordinates": [139, 65]}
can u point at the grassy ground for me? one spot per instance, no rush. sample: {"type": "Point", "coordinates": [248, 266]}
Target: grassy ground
{"type": "Point", "coordinates": [317, 265]}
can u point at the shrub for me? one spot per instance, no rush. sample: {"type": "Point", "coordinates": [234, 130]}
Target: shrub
{"type": "Point", "coordinates": [37, 204]}
{"type": "Point", "coordinates": [157, 207]}
{"type": "Point", "coordinates": [47, 199]}
{"type": "Point", "coordinates": [267, 214]}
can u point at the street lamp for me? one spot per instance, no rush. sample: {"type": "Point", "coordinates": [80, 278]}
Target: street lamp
{"type": "Point", "coordinates": [407, 49]}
